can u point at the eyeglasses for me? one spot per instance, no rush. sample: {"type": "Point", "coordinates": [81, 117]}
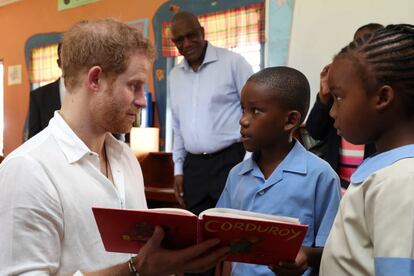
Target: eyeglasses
{"type": "Point", "coordinates": [190, 36]}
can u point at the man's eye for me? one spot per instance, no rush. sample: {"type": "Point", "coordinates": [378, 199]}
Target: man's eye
{"type": "Point", "coordinates": [192, 36]}
{"type": "Point", "coordinates": [338, 98]}
{"type": "Point", "coordinates": [255, 111]}
{"type": "Point", "coordinates": [178, 40]}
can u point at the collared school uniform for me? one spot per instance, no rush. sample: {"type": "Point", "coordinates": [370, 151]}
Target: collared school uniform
{"type": "Point", "coordinates": [302, 186]}
{"type": "Point", "coordinates": [373, 233]}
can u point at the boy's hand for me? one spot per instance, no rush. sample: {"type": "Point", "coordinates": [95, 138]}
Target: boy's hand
{"type": "Point", "coordinates": [178, 189]}
{"type": "Point", "coordinates": [294, 268]}
{"type": "Point", "coordinates": [324, 94]}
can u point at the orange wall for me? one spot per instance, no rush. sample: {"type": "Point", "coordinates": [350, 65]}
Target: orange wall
{"type": "Point", "coordinates": [23, 19]}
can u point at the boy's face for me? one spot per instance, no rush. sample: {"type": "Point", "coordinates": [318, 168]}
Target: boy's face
{"type": "Point", "coordinates": [353, 109]}
{"type": "Point", "coordinates": [115, 110]}
{"type": "Point", "coordinates": [263, 121]}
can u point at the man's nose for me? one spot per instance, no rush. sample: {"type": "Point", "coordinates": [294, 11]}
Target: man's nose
{"type": "Point", "coordinates": [186, 41]}
{"type": "Point", "coordinates": [140, 100]}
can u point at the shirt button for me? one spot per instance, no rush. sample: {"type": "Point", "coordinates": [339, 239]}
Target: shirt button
{"type": "Point", "coordinates": [261, 192]}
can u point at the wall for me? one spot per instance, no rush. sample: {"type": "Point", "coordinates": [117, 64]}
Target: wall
{"type": "Point", "coordinates": [23, 19]}
{"type": "Point", "coordinates": [321, 28]}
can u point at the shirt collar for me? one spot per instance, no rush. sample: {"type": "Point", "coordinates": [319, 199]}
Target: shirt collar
{"type": "Point", "coordinates": [211, 56]}
{"type": "Point", "coordinates": [293, 162]}
{"type": "Point", "coordinates": [72, 146]}
{"type": "Point", "coordinates": [380, 161]}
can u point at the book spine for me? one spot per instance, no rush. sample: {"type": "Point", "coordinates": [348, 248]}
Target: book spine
{"type": "Point", "coordinates": [200, 236]}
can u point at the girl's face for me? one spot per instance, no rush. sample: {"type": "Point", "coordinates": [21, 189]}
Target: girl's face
{"type": "Point", "coordinates": [354, 108]}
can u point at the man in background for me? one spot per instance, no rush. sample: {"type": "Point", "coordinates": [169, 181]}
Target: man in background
{"type": "Point", "coordinates": [205, 102]}
{"type": "Point", "coordinates": [44, 101]}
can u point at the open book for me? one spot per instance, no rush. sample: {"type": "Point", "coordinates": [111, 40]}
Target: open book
{"type": "Point", "coordinates": [252, 237]}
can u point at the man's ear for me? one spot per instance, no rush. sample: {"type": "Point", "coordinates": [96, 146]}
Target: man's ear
{"type": "Point", "coordinates": [293, 120]}
{"type": "Point", "coordinates": [95, 76]}
{"type": "Point", "coordinates": [202, 32]}
{"type": "Point", "coordinates": [385, 96]}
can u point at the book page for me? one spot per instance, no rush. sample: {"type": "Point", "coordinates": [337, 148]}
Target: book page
{"type": "Point", "coordinates": [174, 211]}
{"type": "Point", "coordinates": [234, 213]}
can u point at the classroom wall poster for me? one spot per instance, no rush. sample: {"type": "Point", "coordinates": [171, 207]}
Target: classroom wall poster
{"type": "Point", "coordinates": [70, 4]}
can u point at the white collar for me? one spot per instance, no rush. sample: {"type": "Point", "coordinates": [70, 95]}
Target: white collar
{"type": "Point", "coordinates": [72, 146]}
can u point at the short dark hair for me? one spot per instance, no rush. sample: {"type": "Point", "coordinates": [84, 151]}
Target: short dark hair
{"type": "Point", "coordinates": [386, 57]}
{"type": "Point", "coordinates": [187, 16]}
{"type": "Point", "coordinates": [291, 86]}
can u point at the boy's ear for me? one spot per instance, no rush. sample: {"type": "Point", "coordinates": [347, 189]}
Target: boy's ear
{"type": "Point", "coordinates": [293, 119]}
{"type": "Point", "coordinates": [385, 96]}
{"type": "Point", "coordinates": [94, 77]}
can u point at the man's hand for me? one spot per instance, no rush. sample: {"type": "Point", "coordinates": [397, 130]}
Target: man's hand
{"type": "Point", "coordinates": [178, 188]}
{"type": "Point", "coordinates": [294, 268]}
{"type": "Point", "coordinates": [324, 93]}
{"type": "Point", "coordinates": [154, 260]}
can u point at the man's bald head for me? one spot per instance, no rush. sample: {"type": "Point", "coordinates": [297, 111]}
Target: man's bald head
{"type": "Point", "coordinates": [188, 17]}
{"type": "Point", "coordinates": [188, 36]}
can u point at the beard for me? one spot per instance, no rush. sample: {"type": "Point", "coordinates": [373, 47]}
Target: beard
{"type": "Point", "coordinates": [111, 115]}
{"type": "Point", "coordinates": [117, 122]}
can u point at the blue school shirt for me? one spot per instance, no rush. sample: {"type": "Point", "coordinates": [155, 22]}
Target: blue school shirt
{"type": "Point", "coordinates": [302, 186]}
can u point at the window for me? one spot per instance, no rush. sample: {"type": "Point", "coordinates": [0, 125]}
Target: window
{"type": "Point", "coordinates": [252, 53]}
{"type": "Point", "coordinates": [233, 28]}
{"type": "Point", "coordinates": [43, 66]}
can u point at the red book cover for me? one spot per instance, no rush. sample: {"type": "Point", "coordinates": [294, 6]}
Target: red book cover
{"type": "Point", "coordinates": [252, 237]}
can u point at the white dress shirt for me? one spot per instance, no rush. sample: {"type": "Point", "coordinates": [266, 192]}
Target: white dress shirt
{"type": "Point", "coordinates": [48, 187]}
{"type": "Point", "coordinates": [205, 104]}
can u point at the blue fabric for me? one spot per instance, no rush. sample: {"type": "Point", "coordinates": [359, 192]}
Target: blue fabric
{"type": "Point", "coordinates": [205, 105]}
{"type": "Point", "coordinates": [385, 266]}
{"type": "Point", "coordinates": [302, 186]}
{"type": "Point", "coordinates": [380, 161]}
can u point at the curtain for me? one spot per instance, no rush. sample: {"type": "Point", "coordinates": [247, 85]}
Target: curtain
{"type": "Point", "coordinates": [43, 65]}
{"type": "Point", "coordinates": [228, 29]}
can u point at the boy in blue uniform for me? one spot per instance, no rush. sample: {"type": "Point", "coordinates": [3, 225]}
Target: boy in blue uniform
{"type": "Point", "coordinates": [281, 177]}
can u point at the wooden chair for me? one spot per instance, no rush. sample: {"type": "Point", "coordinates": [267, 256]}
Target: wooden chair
{"type": "Point", "coordinates": [158, 172]}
